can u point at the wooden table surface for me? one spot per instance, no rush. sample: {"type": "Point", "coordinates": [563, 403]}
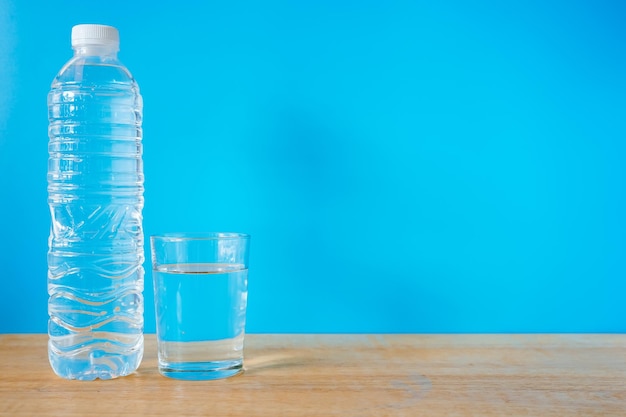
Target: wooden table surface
{"type": "Point", "coordinates": [344, 375]}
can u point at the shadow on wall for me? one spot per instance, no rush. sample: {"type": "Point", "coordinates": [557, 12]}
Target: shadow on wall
{"type": "Point", "coordinates": [332, 233]}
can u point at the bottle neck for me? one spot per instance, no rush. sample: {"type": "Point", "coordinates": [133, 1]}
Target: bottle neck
{"type": "Point", "coordinates": [96, 50]}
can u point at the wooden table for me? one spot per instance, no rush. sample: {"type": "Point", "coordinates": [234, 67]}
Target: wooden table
{"type": "Point", "coordinates": [345, 375]}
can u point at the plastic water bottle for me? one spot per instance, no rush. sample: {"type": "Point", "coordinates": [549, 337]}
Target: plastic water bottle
{"type": "Point", "coordinates": [95, 194]}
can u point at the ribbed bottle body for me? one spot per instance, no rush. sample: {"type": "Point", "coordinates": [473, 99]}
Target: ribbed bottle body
{"type": "Point", "coordinates": [96, 244]}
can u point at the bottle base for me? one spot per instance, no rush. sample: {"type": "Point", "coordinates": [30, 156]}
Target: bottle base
{"type": "Point", "coordinates": [94, 363]}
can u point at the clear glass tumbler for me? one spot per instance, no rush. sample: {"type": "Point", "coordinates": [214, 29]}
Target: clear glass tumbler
{"type": "Point", "coordinates": [200, 293]}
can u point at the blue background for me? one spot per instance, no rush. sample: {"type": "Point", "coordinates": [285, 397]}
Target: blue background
{"type": "Point", "coordinates": [402, 166]}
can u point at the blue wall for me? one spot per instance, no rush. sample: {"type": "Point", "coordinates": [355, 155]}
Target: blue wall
{"type": "Point", "coordinates": [402, 166]}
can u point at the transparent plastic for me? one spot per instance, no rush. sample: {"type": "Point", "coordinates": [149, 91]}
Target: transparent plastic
{"type": "Point", "coordinates": [95, 194]}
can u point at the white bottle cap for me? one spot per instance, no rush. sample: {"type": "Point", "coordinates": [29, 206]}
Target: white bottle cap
{"type": "Point", "coordinates": [95, 35]}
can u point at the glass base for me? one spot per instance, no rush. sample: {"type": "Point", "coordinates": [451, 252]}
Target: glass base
{"type": "Point", "coordinates": [201, 371]}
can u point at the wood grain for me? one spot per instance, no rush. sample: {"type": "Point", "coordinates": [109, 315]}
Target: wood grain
{"type": "Point", "coordinates": [345, 375]}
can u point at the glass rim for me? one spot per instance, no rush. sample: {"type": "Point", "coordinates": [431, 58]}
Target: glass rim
{"type": "Point", "coordinates": [188, 236]}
